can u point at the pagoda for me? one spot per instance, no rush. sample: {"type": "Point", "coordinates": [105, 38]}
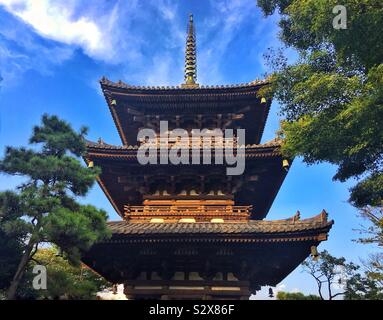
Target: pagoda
{"type": "Point", "coordinates": [191, 231]}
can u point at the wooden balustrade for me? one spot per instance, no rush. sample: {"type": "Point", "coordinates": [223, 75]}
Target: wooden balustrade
{"type": "Point", "coordinates": [195, 142]}
{"type": "Point", "coordinates": [200, 212]}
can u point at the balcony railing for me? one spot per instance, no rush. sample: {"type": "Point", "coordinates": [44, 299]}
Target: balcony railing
{"type": "Point", "coordinates": [200, 212]}
{"type": "Point", "coordinates": [207, 142]}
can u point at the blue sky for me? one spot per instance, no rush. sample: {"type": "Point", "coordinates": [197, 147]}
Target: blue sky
{"type": "Point", "coordinates": [53, 53]}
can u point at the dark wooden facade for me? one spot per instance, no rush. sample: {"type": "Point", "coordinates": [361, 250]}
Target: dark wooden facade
{"type": "Point", "coordinates": [125, 181]}
{"type": "Point", "coordinates": [192, 231]}
{"type": "Point", "coordinates": [205, 260]}
{"type": "Point", "coordinates": [236, 106]}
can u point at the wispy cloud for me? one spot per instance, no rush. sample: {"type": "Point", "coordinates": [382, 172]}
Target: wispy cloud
{"type": "Point", "coordinates": [230, 21]}
{"type": "Point", "coordinates": [61, 22]}
{"type": "Point", "coordinates": [162, 31]}
{"type": "Point", "coordinates": [145, 39]}
{"type": "Point", "coordinates": [20, 51]}
{"type": "Point", "coordinates": [109, 31]}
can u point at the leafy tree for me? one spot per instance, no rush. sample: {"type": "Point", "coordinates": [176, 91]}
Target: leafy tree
{"type": "Point", "coordinates": [328, 272]}
{"type": "Point", "coordinates": [332, 97]}
{"type": "Point", "coordinates": [374, 268]}
{"type": "Point", "coordinates": [332, 102]}
{"type": "Point", "coordinates": [10, 253]}
{"type": "Point", "coordinates": [370, 285]}
{"type": "Point", "coordinates": [11, 238]}
{"type": "Point", "coordinates": [65, 280]}
{"type": "Point", "coordinates": [282, 295]}
{"type": "Point", "coordinates": [374, 232]}
{"type": "Point", "coordinates": [44, 208]}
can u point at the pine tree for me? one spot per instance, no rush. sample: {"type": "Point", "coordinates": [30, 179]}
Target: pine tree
{"type": "Point", "coordinates": [44, 209]}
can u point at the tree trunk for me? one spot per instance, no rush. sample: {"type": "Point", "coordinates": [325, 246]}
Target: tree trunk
{"type": "Point", "coordinates": [11, 293]}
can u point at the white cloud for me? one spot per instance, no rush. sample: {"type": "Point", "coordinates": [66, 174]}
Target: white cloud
{"type": "Point", "coordinates": [280, 287]}
{"type": "Point", "coordinates": [162, 74]}
{"type": "Point", "coordinates": [223, 27]}
{"type": "Point", "coordinates": [114, 32]}
{"type": "Point", "coordinates": [144, 39]}
{"type": "Point", "coordinates": [57, 21]}
{"type": "Point", "coordinates": [20, 52]}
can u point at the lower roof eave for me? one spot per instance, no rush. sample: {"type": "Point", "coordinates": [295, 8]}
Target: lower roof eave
{"type": "Point", "coordinates": [213, 238]}
{"type": "Point", "coordinates": [253, 231]}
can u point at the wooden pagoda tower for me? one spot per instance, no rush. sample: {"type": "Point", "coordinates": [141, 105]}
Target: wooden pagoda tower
{"type": "Point", "coordinates": [191, 231]}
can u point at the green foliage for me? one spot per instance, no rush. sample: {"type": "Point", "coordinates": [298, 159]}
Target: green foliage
{"type": "Point", "coordinates": [12, 235]}
{"type": "Point", "coordinates": [54, 165]}
{"type": "Point", "coordinates": [66, 281]}
{"type": "Point", "coordinates": [331, 272]}
{"type": "Point", "coordinates": [10, 254]}
{"type": "Point", "coordinates": [332, 97]}
{"type": "Point", "coordinates": [363, 288]}
{"type": "Point", "coordinates": [45, 208]}
{"type": "Point", "coordinates": [374, 232]}
{"type": "Point", "coordinates": [370, 285]}
{"type": "Point", "coordinates": [307, 25]}
{"type": "Point", "coordinates": [75, 231]}
{"type": "Point", "coordinates": [281, 295]}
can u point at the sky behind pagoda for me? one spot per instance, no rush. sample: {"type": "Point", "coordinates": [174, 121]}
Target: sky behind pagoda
{"type": "Point", "coordinates": [52, 54]}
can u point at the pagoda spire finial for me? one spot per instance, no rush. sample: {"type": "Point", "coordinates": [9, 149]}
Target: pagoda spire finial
{"type": "Point", "coordinates": [190, 56]}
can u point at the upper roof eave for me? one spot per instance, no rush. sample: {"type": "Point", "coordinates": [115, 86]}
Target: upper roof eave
{"type": "Point", "coordinates": [253, 85]}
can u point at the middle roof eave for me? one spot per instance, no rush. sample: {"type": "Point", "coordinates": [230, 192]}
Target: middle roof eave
{"type": "Point", "coordinates": [271, 148]}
